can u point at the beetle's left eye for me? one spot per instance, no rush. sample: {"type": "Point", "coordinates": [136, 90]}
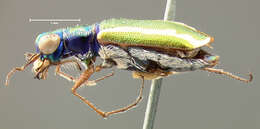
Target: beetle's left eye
{"type": "Point", "coordinates": [49, 43]}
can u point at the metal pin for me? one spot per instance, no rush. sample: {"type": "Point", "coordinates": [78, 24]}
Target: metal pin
{"type": "Point", "coordinates": [156, 84]}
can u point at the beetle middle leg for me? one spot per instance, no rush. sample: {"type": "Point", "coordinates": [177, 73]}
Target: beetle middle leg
{"type": "Point", "coordinates": [84, 77]}
{"type": "Point", "coordinates": [63, 74]}
{"type": "Point", "coordinates": [138, 99]}
{"type": "Point", "coordinates": [71, 78]}
{"type": "Point", "coordinates": [97, 69]}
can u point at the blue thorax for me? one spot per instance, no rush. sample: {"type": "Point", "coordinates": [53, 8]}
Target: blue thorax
{"type": "Point", "coordinates": [79, 41]}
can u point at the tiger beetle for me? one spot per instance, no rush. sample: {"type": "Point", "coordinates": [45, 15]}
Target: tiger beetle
{"type": "Point", "coordinates": [149, 48]}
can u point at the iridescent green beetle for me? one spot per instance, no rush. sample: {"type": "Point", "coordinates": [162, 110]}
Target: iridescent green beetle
{"type": "Point", "coordinates": [150, 48]}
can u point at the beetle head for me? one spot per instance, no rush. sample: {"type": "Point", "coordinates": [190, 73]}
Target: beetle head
{"type": "Point", "coordinates": [50, 47]}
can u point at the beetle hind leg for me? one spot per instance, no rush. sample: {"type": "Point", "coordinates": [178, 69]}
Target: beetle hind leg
{"type": "Point", "coordinates": [221, 71]}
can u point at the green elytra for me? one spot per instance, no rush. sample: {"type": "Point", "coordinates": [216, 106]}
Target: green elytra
{"type": "Point", "coordinates": [152, 33]}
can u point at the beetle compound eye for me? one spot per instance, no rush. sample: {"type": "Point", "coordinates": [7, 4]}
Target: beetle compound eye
{"type": "Point", "coordinates": [49, 43]}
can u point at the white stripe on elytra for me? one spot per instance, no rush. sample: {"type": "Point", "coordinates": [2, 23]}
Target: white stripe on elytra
{"type": "Point", "coordinates": [167, 32]}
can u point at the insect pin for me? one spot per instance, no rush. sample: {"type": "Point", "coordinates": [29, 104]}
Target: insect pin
{"type": "Point", "coordinates": [149, 48]}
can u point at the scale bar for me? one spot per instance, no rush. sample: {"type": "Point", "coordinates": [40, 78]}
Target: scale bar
{"type": "Point", "coordinates": [54, 20]}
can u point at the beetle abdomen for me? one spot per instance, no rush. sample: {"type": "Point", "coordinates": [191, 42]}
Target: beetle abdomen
{"type": "Point", "coordinates": [171, 63]}
{"type": "Point", "coordinates": [142, 60]}
{"type": "Point", "coordinates": [151, 33]}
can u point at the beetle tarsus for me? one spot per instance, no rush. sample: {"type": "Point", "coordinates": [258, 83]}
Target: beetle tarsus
{"type": "Point", "coordinates": [11, 73]}
{"type": "Point", "coordinates": [29, 61]}
{"type": "Point", "coordinates": [221, 71]}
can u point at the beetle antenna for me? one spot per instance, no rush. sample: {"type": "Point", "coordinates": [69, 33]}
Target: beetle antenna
{"type": "Point", "coordinates": [22, 68]}
{"type": "Point", "coordinates": [221, 71]}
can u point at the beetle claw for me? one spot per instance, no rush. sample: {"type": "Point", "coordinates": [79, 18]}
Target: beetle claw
{"type": "Point", "coordinates": [250, 76]}
{"type": "Point", "coordinates": [37, 77]}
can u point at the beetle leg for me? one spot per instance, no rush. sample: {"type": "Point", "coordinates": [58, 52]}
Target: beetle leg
{"type": "Point", "coordinates": [139, 98]}
{"type": "Point", "coordinates": [71, 78]}
{"type": "Point", "coordinates": [29, 61]}
{"type": "Point", "coordinates": [97, 69]}
{"type": "Point", "coordinates": [106, 64]}
{"type": "Point", "coordinates": [63, 74]}
{"type": "Point", "coordinates": [221, 71]}
{"type": "Point", "coordinates": [83, 78]}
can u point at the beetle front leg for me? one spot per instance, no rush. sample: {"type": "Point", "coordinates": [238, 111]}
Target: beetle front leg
{"type": "Point", "coordinates": [12, 72]}
{"type": "Point", "coordinates": [31, 59]}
